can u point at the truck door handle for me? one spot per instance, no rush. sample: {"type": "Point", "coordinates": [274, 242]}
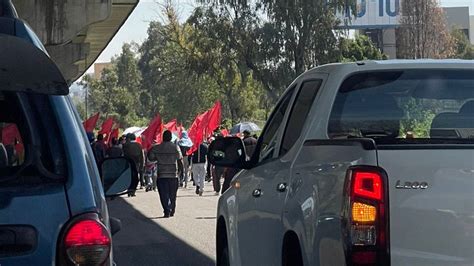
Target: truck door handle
{"type": "Point", "coordinates": [282, 187]}
{"type": "Point", "coordinates": [257, 193]}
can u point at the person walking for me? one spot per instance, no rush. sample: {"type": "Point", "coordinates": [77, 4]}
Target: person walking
{"type": "Point", "coordinates": [115, 150]}
{"type": "Point", "coordinates": [199, 167]}
{"type": "Point", "coordinates": [250, 143]}
{"type": "Point", "coordinates": [99, 148]}
{"type": "Point", "coordinates": [167, 154]}
{"type": "Point", "coordinates": [133, 150]}
{"type": "Point", "coordinates": [185, 143]}
{"type": "Point", "coordinates": [217, 172]}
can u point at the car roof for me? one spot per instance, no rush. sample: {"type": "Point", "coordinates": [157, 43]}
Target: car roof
{"type": "Point", "coordinates": [370, 65]}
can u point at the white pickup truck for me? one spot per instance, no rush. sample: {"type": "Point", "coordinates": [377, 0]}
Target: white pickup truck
{"type": "Point", "coordinates": [368, 163]}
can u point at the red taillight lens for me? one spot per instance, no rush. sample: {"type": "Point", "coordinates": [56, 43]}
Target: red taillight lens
{"type": "Point", "coordinates": [366, 226]}
{"type": "Point", "coordinates": [368, 185]}
{"type": "Point", "coordinates": [87, 242]}
{"type": "Point", "coordinates": [364, 257]}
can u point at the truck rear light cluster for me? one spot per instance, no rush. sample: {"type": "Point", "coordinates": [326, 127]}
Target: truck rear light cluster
{"type": "Point", "coordinates": [85, 241]}
{"type": "Point", "coordinates": [365, 223]}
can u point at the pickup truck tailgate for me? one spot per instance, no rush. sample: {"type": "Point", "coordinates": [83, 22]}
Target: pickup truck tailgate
{"type": "Point", "coordinates": [431, 193]}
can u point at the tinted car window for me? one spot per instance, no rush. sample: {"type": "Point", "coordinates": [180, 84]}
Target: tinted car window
{"type": "Point", "coordinates": [410, 104]}
{"type": "Point", "coordinates": [30, 144]}
{"type": "Point", "coordinates": [269, 137]}
{"type": "Point", "coordinates": [299, 113]}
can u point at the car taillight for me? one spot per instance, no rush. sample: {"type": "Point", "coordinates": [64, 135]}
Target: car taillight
{"type": "Point", "coordinates": [86, 241]}
{"type": "Point", "coordinates": [365, 225]}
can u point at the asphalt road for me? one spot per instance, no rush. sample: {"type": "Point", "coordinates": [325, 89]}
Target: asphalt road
{"type": "Point", "coordinates": [146, 238]}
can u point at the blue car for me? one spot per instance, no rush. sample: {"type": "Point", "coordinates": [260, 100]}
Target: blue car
{"type": "Point", "coordinates": [52, 198]}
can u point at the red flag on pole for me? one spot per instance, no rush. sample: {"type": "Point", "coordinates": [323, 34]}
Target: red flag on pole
{"type": "Point", "coordinates": [112, 135]}
{"type": "Point", "coordinates": [91, 122]}
{"type": "Point", "coordinates": [171, 126]}
{"type": "Point", "coordinates": [214, 119]}
{"type": "Point", "coordinates": [152, 132]}
{"type": "Point", "coordinates": [107, 125]}
{"type": "Point", "coordinates": [196, 131]}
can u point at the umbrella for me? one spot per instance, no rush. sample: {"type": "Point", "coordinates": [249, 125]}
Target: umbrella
{"type": "Point", "coordinates": [134, 130]}
{"type": "Point", "coordinates": [241, 127]}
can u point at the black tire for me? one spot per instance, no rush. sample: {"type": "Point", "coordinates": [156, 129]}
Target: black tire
{"type": "Point", "coordinates": [292, 255]}
{"type": "Point", "coordinates": [224, 259]}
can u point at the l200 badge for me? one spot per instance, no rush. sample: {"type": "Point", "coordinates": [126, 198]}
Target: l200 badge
{"type": "Point", "coordinates": [411, 185]}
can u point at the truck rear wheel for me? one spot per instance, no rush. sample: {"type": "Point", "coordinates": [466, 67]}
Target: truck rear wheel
{"type": "Point", "coordinates": [291, 252]}
{"type": "Point", "coordinates": [222, 245]}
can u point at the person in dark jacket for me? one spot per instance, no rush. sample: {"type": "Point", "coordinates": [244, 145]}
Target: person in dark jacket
{"type": "Point", "coordinates": [99, 148]}
{"type": "Point", "coordinates": [250, 143]}
{"type": "Point", "coordinates": [217, 173]}
{"type": "Point", "coordinates": [199, 167]}
{"type": "Point", "coordinates": [115, 150]}
{"type": "Point", "coordinates": [166, 155]}
{"type": "Point", "coordinates": [133, 150]}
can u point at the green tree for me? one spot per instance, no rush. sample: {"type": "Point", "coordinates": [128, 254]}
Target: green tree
{"type": "Point", "coordinates": [185, 72]}
{"type": "Point", "coordinates": [463, 49]}
{"type": "Point", "coordinates": [126, 67]}
{"type": "Point", "coordinates": [358, 49]}
{"type": "Point", "coordinates": [278, 40]}
{"type": "Point", "coordinates": [110, 99]}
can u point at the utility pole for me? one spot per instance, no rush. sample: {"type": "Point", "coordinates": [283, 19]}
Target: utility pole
{"type": "Point", "coordinates": [87, 87]}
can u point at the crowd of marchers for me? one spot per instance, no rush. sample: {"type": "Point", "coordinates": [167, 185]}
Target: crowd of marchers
{"type": "Point", "coordinates": [167, 166]}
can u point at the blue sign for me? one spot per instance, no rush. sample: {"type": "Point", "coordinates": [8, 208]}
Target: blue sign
{"type": "Point", "coordinates": [372, 14]}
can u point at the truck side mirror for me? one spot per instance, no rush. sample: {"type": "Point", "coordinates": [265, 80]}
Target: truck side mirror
{"type": "Point", "coordinates": [117, 175]}
{"type": "Point", "coordinates": [227, 152]}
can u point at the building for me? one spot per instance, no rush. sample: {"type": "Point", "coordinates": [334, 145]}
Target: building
{"type": "Point", "coordinates": [99, 67]}
{"type": "Point", "coordinates": [379, 22]}
{"type": "Point", "coordinates": [458, 18]}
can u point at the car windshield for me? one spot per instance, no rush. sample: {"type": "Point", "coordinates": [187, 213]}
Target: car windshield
{"type": "Point", "coordinates": [408, 104]}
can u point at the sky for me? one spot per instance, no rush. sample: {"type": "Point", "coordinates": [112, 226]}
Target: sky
{"type": "Point", "coordinates": [135, 28]}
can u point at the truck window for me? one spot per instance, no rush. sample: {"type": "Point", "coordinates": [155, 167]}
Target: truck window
{"type": "Point", "coordinates": [270, 135]}
{"type": "Point", "coordinates": [299, 113]}
{"type": "Point", "coordinates": [421, 106]}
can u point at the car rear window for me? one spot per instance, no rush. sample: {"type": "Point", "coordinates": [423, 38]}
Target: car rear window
{"type": "Point", "coordinates": [410, 104]}
{"type": "Point", "coordinates": [31, 149]}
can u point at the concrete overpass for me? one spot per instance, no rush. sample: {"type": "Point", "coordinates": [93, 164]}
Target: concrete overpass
{"type": "Point", "coordinates": [75, 32]}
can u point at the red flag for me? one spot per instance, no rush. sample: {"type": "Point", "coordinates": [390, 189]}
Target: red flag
{"type": "Point", "coordinates": [204, 125]}
{"type": "Point", "coordinates": [9, 134]}
{"type": "Point", "coordinates": [107, 125]}
{"type": "Point", "coordinates": [214, 119]}
{"type": "Point", "coordinates": [171, 126]}
{"type": "Point", "coordinates": [91, 122]}
{"type": "Point", "coordinates": [196, 131]}
{"type": "Point", "coordinates": [152, 132]}
{"type": "Point", "coordinates": [112, 135]}
{"type": "Point", "coordinates": [225, 132]}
